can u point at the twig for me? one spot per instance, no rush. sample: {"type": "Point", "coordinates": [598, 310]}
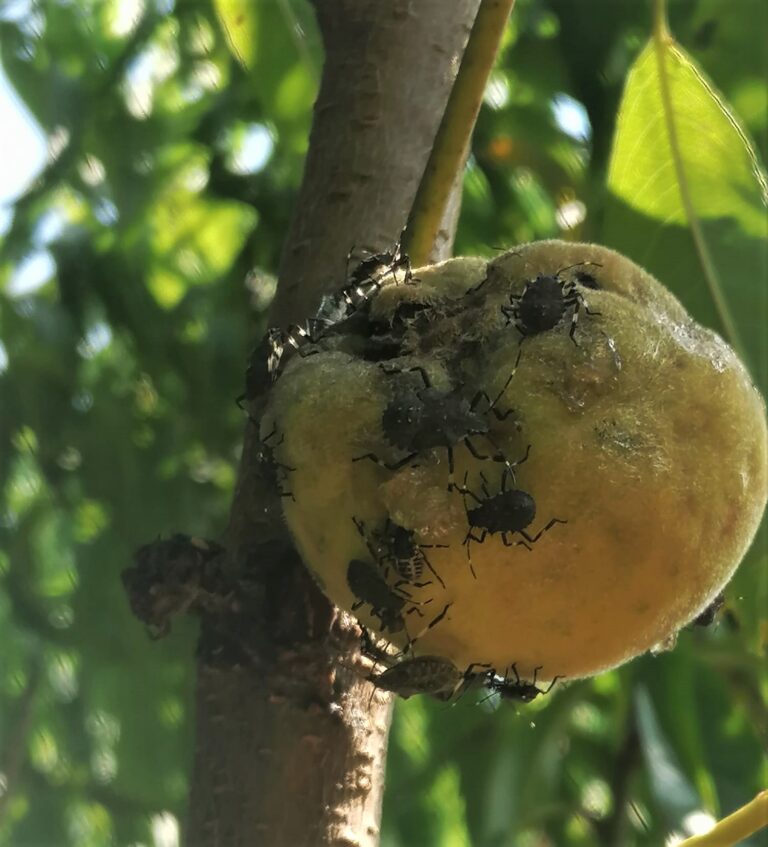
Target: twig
{"type": "Point", "coordinates": [735, 828]}
{"type": "Point", "coordinates": [452, 139]}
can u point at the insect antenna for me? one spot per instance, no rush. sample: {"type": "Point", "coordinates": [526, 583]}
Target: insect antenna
{"type": "Point", "coordinates": [577, 265]}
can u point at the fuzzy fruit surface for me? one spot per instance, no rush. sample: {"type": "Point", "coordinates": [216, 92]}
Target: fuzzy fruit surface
{"type": "Point", "coordinates": [647, 441]}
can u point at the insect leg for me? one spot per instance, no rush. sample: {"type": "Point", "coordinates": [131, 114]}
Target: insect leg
{"type": "Point", "coordinates": [577, 265]}
{"type": "Point", "coordinates": [390, 466]}
{"type": "Point", "coordinates": [541, 531]}
{"type": "Point", "coordinates": [505, 540]}
{"type": "Point", "coordinates": [470, 536]}
{"type": "Point", "coordinates": [473, 450]}
{"type": "Point", "coordinates": [429, 564]}
{"type": "Point", "coordinates": [396, 587]}
{"type": "Point", "coordinates": [434, 622]}
{"type": "Point", "coordinates": [509, 471]}
{"type": "Point", "coordinates": [463, 490]}
{"type": "Point", "coordinates": [552, 684]}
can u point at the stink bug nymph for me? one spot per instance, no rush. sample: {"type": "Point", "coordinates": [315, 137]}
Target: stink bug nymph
{"type": "Point", "coordinates": [426, 675]}
{"type": "Point", "coordinates": [419, 675]}
{"type": "Point", "coordinates": [518, 689]}
{"type": "Point", "coordinates": [425, 418]}
{"type": "Point", "coordinates": [370, 588]}
{"type": "Point", "coordinates": [546, 299]}
{"type": "Point", "coordinates": [395, 547]}
{"type": "Point", "coordinates": [508, 512]}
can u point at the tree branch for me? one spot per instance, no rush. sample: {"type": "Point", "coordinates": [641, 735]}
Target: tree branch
{"type": "Point", "coordinates": [449, 152]}
{"type": "Point", "coordinates": [291, 740]}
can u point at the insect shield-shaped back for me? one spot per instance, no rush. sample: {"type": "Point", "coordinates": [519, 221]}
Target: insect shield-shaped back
{"type": "Point", "coordinates": [420, 675]}
{"type": "Point", "coordinates": [421, 417]}
{"type": "Point", "coordinates": [508, 511]}
{"type": "Point", "coordinates": [541, 306]}
{"type": "Point", "coordinates": [545, 300]}
{"type": "Point", "coordinates": [371, 589]}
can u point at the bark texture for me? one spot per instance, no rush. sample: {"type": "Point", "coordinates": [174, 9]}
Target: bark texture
{"type": "Point", "coordinates": [291, 741]}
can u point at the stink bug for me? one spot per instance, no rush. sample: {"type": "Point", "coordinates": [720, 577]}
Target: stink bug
{"type": "Point", "coordinates": [519, 689]}
{"type": "Point", "coordinates": [387, 603]}
{"type": "Point", "coordinates": [395, 547]}
{"type": "Point", "coordinates": [426, 675]}
{"type": "Point", "coordinates": [425, 418]}
{"type": "Point", "coordinates": [545, 300]}
{"type": "Point", "coordinates": [508, 512]}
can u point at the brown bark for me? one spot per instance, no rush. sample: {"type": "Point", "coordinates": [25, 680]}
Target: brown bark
{"type": "Point", "coordinates": [291, 741]}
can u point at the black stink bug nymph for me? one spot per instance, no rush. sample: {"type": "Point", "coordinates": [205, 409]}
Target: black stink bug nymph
{"type": "Point", "coordinates": [546, 299]}
{"type": "Point", "coordinates": [518, 689]}
{"type": "Point", "coordinates": [363, 282]}
{"type": "Point", "coordinates": [370, 588]}
{"type": "Point", "coordinates": [263, 364]}
{"type": "Point", "coordinates": [508, 512]}
{"type": "Point", "coordinates": [268, 356]}
{"type": "Point", "coordinates": [273, 472]}
{"type": "Point", "coordinates": [420, 418]}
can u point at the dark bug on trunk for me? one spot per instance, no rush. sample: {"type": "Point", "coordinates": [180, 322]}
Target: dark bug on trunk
{"type": "Point", "coordinates": [420, 418]}
{"type": "Point", "coordinates": [507, 513]}
{"type": "Point", "coordinates": [296, 339]}
{"type": "Point", "coordinates": [364, 281]}
{"type": "Point", "coordinates": [518, 689]}
{"type": "Point", "coordinates": [395, 548]}
{"type": "Point", "coordinates": [274, 349]}
{"type": "Point", "coordinates": [546, 299]}
{"type": "Point", "coordinates": [373, 270]}
{"type": "Point", "coordinates": [262, 366]}
{"type": "Point", "coordinates": [273, 472]}
{"type": "Point", "coordinates": [708, 616]}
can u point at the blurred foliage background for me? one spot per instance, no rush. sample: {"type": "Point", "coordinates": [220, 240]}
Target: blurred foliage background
{"type": "Point", "coordinates": [135, 268]}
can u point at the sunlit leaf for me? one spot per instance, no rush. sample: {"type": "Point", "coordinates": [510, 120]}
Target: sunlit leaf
{"type": "Point", "coordinates": [717, 162]}
{"type": "Point", "coordinates": [689, 195]}
{"type": "Point", "coordinates": [239, 20]}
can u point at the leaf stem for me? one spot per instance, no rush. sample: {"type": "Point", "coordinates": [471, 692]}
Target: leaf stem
{"type": "Point", "coordinates": [663, 41]}
{"type": "Point", "coordinates": [735, 828]}
{"type": "Point", "coordinates": [452, 139]}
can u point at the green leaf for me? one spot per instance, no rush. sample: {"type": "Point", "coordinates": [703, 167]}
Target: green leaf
{"type": "Point", "coordinates": [719, 163]}
{"type": "Point", "coordinates": [672, 791]}
{"type": "Point", "coordinates": [689, 196]}
{"type": "Point", "coordinates": [239, 21]}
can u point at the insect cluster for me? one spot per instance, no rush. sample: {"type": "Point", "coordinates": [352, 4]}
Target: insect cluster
{"type": "Point", "coordinates": [427, 414]}
{"type": "Point", "coordinates": [408, 429]}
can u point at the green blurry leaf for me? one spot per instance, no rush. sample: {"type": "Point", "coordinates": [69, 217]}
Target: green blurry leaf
{"type": "Point", "coordinates": [238, 19]}
{"type": "Point", "coordinates": [674, 686]}
{"type": "Point", "coordinates": [669, 786]}
{"type": "Point", "coordinates": [689, 196]}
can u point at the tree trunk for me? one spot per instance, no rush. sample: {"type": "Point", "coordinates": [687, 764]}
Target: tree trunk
{"type": "Point", "coordinates": [291, 740]}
